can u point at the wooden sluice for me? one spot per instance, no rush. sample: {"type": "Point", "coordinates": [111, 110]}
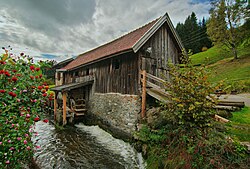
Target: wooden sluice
{"type": "Point", "coordinates": [76, 110]}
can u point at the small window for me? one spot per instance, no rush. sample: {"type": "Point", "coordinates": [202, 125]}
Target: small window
{"type": "Point", "coordinates": [76, 73]}
{"type": "Point", "coordinates": [116, 64]}
{"type": "Point", "coordinates": [87, 71]}
{"type": "Point", "coordinates": [58, 76]}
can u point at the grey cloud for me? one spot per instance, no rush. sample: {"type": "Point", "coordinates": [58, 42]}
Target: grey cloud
{"type": "Point", "coordinates": [70, 27]}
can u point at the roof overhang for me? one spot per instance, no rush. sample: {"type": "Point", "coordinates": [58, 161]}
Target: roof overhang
{"type": "Point", "coordinates": [68, 87]}
{"type": "Point", "coordinates": [153, 29]}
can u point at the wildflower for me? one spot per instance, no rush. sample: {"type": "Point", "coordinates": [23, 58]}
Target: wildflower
{"type": "Point", "coordinates": [46, 87]}
{"type": "Point", "coordinates": [37, 69]}
{"type": "Point", "coordinates": [32, 67]}
{"type": "Point", "coordinates": [14, 71]}
{"type": "Point", "coordinates": [14, 79]}
{"type": "Point", "coordinates": [38, 146]}
{"type": "Point", "coordinates": [45, 120]}
{"type": "Point", "coordinates": [36, 77]}
{"type": "Point", "coordinates": [36, 119]}
{"type": "Point", "coordinates": [9, 141]}
{"type": "Point", "coordinates": [40, 75]}
{"type": "Point", "coordinates": [27, 115]}
{"type": "Point", "coordinates": [31, 77]}
{"type": "Point", "coordinates": [44, 94]}
{"type": "Point", "coordinates": [7, 162]}
{"type": "Point", "coordinates": [18, 75]}
{"type": "Point", "coordinates": [25, 91]}
{"type": "Point", "coordinates": [18, 100]}
{"type": "Point", "coordinates": [39, 87]}
{"type": "Point", "coordinates": [7, 73]}
{"type": "Point", "coordinates": [2, 91]}
{"type": "Point", "coordinates": [26, 135]}
{"type": "Point", "coordinates": [12, 94]}
{"type": "Point", "coordinates": [28, 148]}
{"type": "Point", "coordinates": [1, 143]}
{"type": "Point", "coordinates": [19, 138]}
{"type": "Point", "coordinates": [2, 62]}
{"type": "Point", "coordinates": [34, 100]}
{"type": "Point", "coordinates": [25, 142]}
{"type": "Point", "coordinates": [11, 148]}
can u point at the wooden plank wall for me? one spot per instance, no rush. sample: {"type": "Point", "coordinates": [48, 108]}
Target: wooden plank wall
{"type": "Point", "coordinates": [160, 49]}
{"type": "Point", "coordinates": [109, 79]}
{"type": "Point", "coordinates": [122, 80]}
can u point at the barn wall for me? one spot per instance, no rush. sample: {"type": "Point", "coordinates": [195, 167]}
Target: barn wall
{"type": "Point", "coordinates": [160, 49]}
{"type": "Point", "coordinates": [115, 75]}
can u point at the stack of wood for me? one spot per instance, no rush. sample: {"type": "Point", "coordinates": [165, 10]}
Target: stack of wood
{"type": "Point", "coordinates": [229, 105]}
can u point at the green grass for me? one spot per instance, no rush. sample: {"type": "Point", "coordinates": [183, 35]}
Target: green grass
{"type": "Point", "coordinates": [240, 125]}
{"type": "Point", "coordinates": [242, 116]}
{"type": "Point", "coordinates": [220, 62]}
{"type": "Point", "coordinates": [210, 56]}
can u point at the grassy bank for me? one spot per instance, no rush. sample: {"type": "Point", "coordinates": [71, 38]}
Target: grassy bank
{"type": "Point", "coordinates": [240, 125]}
{"type": "Point", "coordinates": [220, 62]}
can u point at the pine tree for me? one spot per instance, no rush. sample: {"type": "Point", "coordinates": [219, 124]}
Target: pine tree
{"type": "Point", "coordinates": [192, 34]}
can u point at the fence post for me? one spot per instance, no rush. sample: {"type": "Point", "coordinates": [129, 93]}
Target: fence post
{"type": "Point", "coordinates": [143, 108]}
{"type": "Point", "coordinates": [55, 106]}
{"type": "Point", "coordinates": [64, 108]}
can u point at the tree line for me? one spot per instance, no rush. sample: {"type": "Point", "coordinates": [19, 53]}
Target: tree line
{"type": "Point", "coordinates": [228, 25]}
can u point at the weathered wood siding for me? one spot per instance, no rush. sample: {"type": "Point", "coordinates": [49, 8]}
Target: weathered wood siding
{"type": "Point", "coordinates": [160, 49]}
{"type": "Point", "coordinates": [115, 75]}
{"type": "Point", "coordinates": [110, 78]}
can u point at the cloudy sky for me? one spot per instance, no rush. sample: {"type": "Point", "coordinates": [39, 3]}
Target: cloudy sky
{"type": "Point", "coordinates": [59, 29]}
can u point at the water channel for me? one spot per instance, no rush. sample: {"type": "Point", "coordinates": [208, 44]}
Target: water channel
{"type": "Point", "coordinates": [86, 147]}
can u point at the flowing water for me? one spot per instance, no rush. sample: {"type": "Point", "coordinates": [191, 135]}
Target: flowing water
{"type": "Point", "coordinates": [86, 147]}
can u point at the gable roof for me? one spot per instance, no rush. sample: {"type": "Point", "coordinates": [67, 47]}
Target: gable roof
{"type": "Point", "coordinates": [132, 41]}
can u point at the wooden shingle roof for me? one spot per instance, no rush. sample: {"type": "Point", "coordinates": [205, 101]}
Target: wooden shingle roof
{"type": "Point", "coordinates": [129, 42]}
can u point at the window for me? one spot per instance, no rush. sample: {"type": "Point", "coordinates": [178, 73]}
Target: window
{"type": "Point", "coordinates": [116, 64]}
{"type": "Point", "coordinates": [58, 76]}
{"type": "Point", "coordinates": [87, 71]}
{"type": "Point", "coordinates": [76, 74]}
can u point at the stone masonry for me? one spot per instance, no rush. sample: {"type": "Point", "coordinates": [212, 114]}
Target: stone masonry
{"type": "Point", "coordinates": [118, 113]}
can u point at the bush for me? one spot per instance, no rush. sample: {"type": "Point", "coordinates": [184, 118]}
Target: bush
{"type": "Point", "coordinates": [23, 100]}
{"type": "Point", "coordinates": [191, 139]}
{"type": "Point", "coordinates": [191, 101]}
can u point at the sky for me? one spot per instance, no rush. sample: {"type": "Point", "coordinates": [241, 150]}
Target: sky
{"type": "Point", "coordinates": [60, 29]}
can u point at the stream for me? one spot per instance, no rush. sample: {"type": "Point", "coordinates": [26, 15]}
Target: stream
{"type": "Point", "coordinates": [80, 146]}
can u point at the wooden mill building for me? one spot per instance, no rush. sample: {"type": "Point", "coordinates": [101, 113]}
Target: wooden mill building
{"type": "Point", "coordinates": [108, 78]}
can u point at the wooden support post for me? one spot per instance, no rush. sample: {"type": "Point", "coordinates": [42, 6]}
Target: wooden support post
{"type": "Point", "coordinates": [55, 106]}
{"type": "Point", "coordinates": [143, 105]}
{"type": "Point", "coordinates": [64, 108]}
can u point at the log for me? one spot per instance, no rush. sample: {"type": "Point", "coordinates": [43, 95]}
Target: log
{"type": "Point", "coordinates": [221, 119]}
{"type": "Point", "coordinates": [231, 103]}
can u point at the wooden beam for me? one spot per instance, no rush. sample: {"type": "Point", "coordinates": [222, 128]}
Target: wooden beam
{"type": "Point", "coordinates": [220, 119]}
{"type": "Point", "coordinates": [55, 106]}
{"type": "Point", "coordinates": [64, 108]}
{"type": "Point", "coordinates": [143, 107]}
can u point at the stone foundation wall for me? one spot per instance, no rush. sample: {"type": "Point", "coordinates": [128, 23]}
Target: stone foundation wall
{"type": "Point", "coordinates": [115, 112]}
